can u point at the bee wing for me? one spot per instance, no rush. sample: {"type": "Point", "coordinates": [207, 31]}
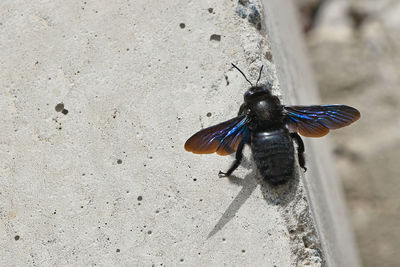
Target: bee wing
{"type": "Point", "coordinates": [223, 138]}
{"type": "Point", "coordinates": [316, 121]}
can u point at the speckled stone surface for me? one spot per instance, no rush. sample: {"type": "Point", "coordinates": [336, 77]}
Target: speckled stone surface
{"type": "Point", "coordinates": [97, 100]}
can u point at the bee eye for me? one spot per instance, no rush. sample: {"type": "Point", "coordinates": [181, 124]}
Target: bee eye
{"type": "Point", "coordinates": [249, 95]}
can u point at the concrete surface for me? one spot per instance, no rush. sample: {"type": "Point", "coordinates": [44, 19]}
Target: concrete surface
{"type": "Point", "coordinates": [355, 49]}
{"type": "Point", "coordinates": [322, 185]}
{"type": "Point", "coordinates": [97, 100]}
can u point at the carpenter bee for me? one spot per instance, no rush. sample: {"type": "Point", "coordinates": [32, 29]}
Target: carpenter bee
{"type": "Point", "coordinates": [270, 128]}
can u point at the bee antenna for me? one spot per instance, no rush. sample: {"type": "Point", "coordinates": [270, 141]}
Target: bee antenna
{"type": "Point", "coordinates": [242, 74]}
{"type": "Point", "coordinates": [259, 75]}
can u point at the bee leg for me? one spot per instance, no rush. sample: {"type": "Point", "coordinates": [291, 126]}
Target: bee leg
{"type": "Point", "coordinates": [236, 163]}
{"type": "Point", "coordinates": [300, 150]}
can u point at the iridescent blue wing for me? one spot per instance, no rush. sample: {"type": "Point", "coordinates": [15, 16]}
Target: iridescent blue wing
{"type": "Point", "coordinates": [316, 121]}
{"type": "Point", "coordinates": [223, 138]}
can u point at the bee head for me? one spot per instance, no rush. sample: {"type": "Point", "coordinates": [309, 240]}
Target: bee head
{"type": "Point", "coordinates": [256, 93]}
{"type": "Point", "coordinates": [260, 104]}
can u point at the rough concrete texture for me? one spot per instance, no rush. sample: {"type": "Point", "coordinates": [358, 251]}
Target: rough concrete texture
{"type": "Point", "coordinates": [97, 100]}
{"type": "Point", "coordinates": [355, 48]}
{"type": "Point", "coordinates": [323, 188]}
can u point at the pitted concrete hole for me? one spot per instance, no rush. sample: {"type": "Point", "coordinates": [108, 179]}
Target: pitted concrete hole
{"type": "Point", "coordinates": [215, 37]}
{"type": "Point", "coordinates": [59, 107]}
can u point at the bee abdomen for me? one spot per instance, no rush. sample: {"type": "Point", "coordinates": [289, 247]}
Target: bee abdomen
{"type": "Point", "coordinates": [273, 152]}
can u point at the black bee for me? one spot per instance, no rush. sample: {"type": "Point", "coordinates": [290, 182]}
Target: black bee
{"type": "Point", "coordinates": [269, 128]}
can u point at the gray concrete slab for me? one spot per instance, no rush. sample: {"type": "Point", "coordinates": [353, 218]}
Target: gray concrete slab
{"type": "Point", "coordinates": [103, 179]}
{"type": "Point", "coordinates": [323, 187]}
